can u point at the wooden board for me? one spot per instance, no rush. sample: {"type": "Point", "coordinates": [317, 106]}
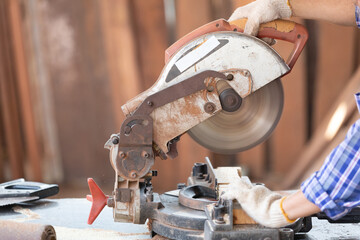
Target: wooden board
{"type": "Point", "coordinates": [289, 136]}
{"type": "Point", "coordinates": [8, 100]}
{"type": "Point", "coordinates": [121, 53]}
{"type": "Point", "coordinates": [75, 56]}
{"type": "Point", "coordinates": [335, 65]}
{"type": "Point", "coordinates": [24, 94]}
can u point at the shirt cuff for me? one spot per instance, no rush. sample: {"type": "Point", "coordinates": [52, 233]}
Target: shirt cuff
{"type": "Point", "coordinates": [315, 193]}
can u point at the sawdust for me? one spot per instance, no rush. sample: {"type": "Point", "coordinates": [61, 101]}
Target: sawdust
{"type": "Point", "coordinates": [30, 215]}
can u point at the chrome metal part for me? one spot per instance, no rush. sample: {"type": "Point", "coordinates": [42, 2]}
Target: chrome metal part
{"type": "Point", "coordinates": [197, 197]}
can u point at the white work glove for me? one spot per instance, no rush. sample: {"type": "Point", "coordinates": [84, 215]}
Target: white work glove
{"type": "Point", "coordinates": [258, 202]}
{"type": "Point", "coordinates": [261, 11]}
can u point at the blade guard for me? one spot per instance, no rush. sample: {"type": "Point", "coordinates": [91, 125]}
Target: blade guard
{"type": "Point", "coordinates": [98, 199]}
{"type": "Point", "coordinates": [278, 29]}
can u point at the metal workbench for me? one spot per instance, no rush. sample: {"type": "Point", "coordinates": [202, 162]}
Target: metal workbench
{"type": "Point", "coordinates": [69, 217]}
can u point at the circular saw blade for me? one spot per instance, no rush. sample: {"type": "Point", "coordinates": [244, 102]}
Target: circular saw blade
{"type": "Point", "coordinates": [251, 124]}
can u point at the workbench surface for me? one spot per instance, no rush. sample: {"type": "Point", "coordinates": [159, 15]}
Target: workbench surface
{"type": "Point", "coordinates": [69, 217]}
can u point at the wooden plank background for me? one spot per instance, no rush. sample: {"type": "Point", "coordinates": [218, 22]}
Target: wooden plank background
{"type": "Point", "coordinates": [75, 63]}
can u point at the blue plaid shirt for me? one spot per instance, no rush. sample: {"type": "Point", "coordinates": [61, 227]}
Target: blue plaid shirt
{"type": "Point", "coordinates": [335, 188]}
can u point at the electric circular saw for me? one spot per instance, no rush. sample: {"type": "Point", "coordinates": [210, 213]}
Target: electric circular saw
{"type": "Point", "coordinates": [219, 85]}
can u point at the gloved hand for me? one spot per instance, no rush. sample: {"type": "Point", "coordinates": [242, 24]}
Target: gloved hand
{"type": "Point", "coordinates": [261, 11]}
{"type": "Point", "coordinates": [258, 202]}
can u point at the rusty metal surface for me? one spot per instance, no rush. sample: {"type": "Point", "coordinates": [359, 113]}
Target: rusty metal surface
{"type": "Point", "coordinates": [135, 155]}
{"type": "Point", "coordinates": [123, 195]}
{"type": "Point", "coordinates": [235, 54]}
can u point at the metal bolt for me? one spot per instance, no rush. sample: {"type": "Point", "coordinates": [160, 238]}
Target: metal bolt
{"type": "Point", "coordinates": [209, 107]}
{"type": "Point", "coordinates": [122, 154]}
{"type": "Point", "coordinates": [181, 185]}
{"type": "Point", "coordinates": [217, 25]}
{"type": "Point", "coordinates": [110, 202]}
{"type": "Point", "coordinates": [230, 77]}
{"type": "Point", "coordinates": [150, 103]}
{"type": "Point", "coordinates": [133, 174]}
{"type": "Point", "coordinates": [246, 73]}
{"type": "Point", "coordinates": [210, 88]}
{"type": "Point", "coordinates": [146, 155]}
{"type": "Point", "coordinates": [200, 176]}
{"type": "Point", "coordinates": [115, 141]}
{"type": "Point", "coordinates": [127, 129]}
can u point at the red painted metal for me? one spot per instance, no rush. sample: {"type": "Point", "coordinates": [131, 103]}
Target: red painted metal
{"type": "Point", "coordinates": [98, 199]}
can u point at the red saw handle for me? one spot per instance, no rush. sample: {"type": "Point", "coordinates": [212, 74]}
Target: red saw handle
{"type": "Point", "coordinates": [279, 29]}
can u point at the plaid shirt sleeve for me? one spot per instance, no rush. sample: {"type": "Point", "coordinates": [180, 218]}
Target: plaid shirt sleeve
{"type": "Point", "coordinates": [357, 15]}
{"type": "Point", "coordinates": [335, 188]}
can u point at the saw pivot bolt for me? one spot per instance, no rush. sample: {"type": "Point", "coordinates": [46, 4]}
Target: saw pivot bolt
{"type": "Point", "coordinates": [150, 103]}
{"type": "Point", "coordinates": [210, 88]}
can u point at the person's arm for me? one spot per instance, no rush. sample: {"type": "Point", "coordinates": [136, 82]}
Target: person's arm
{"type": "Point", "coordinates": [297, 206]}
{"type": "Point", "coordinates": [335, 11]}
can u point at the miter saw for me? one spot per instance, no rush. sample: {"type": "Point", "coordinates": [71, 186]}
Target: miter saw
{"type": "Point", "coordinates": [223, 88]}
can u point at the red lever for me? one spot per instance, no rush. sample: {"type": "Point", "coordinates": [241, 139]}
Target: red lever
{"type": "Point", "coordinates": [98, 199]}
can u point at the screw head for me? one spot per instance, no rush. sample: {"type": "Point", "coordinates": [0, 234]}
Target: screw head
{"type": "Point", "coordinates": [210, 88]}
{"type": "Point", "coordinates": [209, 107]}
{"type": "Point", "coordinates": [150, 103]}
{"type": "Point", "coordinates": [115, 141]}
{"type": "Point", "coordinates": [122, 154]}
{"type": "Point", "coordinates": [146, 155]}
{"type": "Point", "coordinates": [230, 77]}
{"type": "Point", "coordinates": [133, 175]}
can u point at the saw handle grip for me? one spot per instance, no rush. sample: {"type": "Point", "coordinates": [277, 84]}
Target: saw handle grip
{"type": "Point", "coordinates": [282, 30]}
